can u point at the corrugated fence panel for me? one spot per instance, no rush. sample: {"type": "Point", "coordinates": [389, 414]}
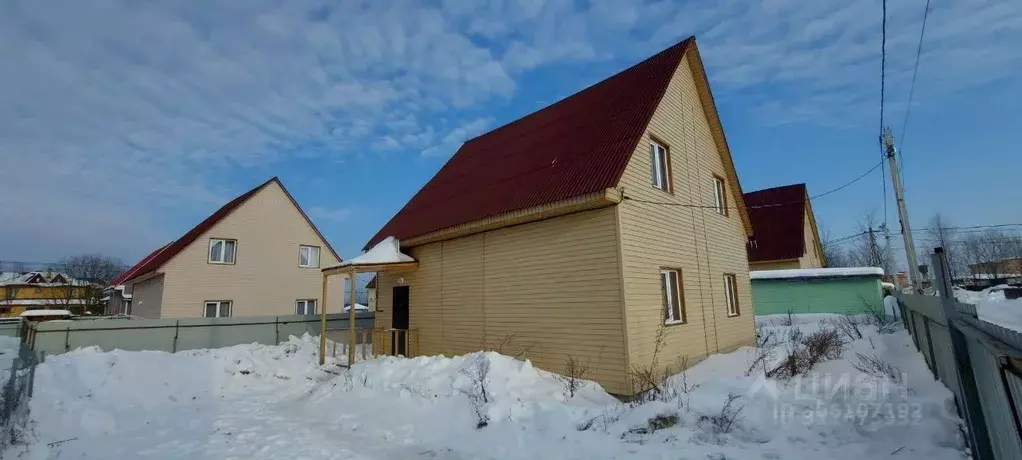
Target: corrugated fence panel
{"type": "Point", "coordinates": [921, 339]}
{"type": "Point", "coordinates": [1000, 421]}
{"type": "Point", "coordinates": [990, 347]}
{"type": "Point", "coordinates": [944, 357]}
{"type": "Point", "coordinates": [171, 335]}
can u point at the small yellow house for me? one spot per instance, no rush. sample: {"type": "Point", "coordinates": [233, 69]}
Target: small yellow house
{"type": "Point", "coordinates": [785, 226]}
{"type": "Point", "coordinates": [258, 255]}
{"type": "Point", "coordinates": [581, 230]}
{"type": "Point", "coordinates": [44, 290]}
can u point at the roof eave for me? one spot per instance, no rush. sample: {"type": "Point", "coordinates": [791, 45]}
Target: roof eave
{"type": "Point", "coordinates": [590, 201]}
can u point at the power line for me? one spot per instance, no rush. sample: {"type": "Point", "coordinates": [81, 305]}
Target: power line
{"type": "Point", "coordinates": [912, 86]}
{"type": "Point", "coordinates": [772, 205]}
{"type": "Point", "coordinates": [883, 72]}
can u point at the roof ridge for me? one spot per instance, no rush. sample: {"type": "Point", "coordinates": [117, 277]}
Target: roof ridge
{"type": "Point", "coordinates": [158, 258]}
{"type": "Point", "coordinates": [575, 146]}
{"type": "Point", "coordinates": [683, 44]}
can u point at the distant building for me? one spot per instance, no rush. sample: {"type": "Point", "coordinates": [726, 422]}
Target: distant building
{"type": "Point", "coordinates": [258, 255]}
{"type": "Point", "coordinates": [1004, 267]}
{"type": "Point", "coordinates": [45, 290]}
{"type": "Point", "coordinates": [785, 228]}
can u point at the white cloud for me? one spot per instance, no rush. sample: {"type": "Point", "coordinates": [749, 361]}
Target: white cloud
{"type": "Point", "coordinates": [386, 143]}
{"type": "Point", "coordinates": [457, 136]}
{"type": "Point", "coordinates": [148, 107]}
{"type": "Point", "coordinates": [322, 213]}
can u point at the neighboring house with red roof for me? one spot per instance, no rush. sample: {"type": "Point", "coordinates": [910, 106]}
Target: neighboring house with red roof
{"type": "Point", "coordinates": [581, 230]}
{"type": "Point", "coordinates": [258, 255]}
{"type": "Point", "coordinates": [786, 233]}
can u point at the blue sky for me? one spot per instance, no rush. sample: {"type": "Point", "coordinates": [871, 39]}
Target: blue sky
{"type": "Point", "coordinates": [123, 124]}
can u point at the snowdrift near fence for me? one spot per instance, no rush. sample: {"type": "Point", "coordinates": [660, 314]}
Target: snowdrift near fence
{"type": "Point", "coordinates": [256, 401]}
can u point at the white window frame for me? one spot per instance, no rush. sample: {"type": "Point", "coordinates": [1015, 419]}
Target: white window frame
{"type": "Point", "coordinates": [660, 168]}
{"type": "Point", "coordinates": [673, 314]}
{"type": "Point", "coordinates": [719, 196]}
{"type": "Point", "coordinates": [219, 308]}
{"type": "Point", "coordinates": [731, 294]}
{"type": "Point", "coordinates": [302, 306]}
{"type": "Point", "coordinates": [223, 251]}
{"type": "Point", "coordinates": [304, 247]}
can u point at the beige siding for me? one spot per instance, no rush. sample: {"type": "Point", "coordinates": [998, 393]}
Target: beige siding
{"type": "Point", "coordinates": [265, 278]}
{"type": "Point", "coordinates": [812, 257]}
{"type": "Point", "coordinates": [553, 285]}
{"type": "Point", "coordinates": [147, 298]}
{"type": "Point", "coordinates": [701, 243]}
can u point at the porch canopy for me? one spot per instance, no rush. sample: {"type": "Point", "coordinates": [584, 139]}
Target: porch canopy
{"type": "Point", "coordinates": [385, 257]}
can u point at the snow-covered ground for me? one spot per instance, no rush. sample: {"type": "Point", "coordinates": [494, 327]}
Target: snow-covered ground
{"type": "Point", "coordinates": [993, 307]}
{"type": "Point", "coordinates": [272, 402]}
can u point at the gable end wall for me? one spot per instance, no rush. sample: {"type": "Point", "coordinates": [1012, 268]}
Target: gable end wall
{"type": "Point", "coordinates": [265, 278]}
{"type": "Point", "coordinates": [701, 243]}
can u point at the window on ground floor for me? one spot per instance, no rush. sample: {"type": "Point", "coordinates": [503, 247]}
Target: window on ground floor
{"type": "Point", "coordinates": [305, 307]}
{"type": "Point", "coordinates": [218, 309]}
{"type": "Point", "coordinates": [673, 300]}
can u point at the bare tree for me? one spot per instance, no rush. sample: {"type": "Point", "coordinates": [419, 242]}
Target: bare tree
{"type": "Point", "coordinates": [942, 234]}
{"type": "Point", "coordinates": [836, 255]}
{"type": "Point", "coordinates": [992, 253]}
{"type": "Point", "coordinates": [873, 249]}
{"type": "Point", "coordinates": [89, 274]}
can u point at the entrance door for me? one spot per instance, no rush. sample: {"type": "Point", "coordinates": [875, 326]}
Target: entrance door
{"type": "Point", "coordinates": [399, 319]}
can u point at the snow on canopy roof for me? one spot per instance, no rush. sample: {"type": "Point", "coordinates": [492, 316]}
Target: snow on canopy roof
{"type": "Point", "coordinates": [387, 251]}
{"type": "Point", "coordinates": [46, 313]}
{"type": "Point", "coordinates": [816, 273]}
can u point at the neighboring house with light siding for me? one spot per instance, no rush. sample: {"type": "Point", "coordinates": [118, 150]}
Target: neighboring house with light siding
{"type": "Point", "coordinates": [785, 226]}
{"type": "Point", "coordinates": [581, 230]}
{"type": "Point", "coordinates": [258, 255]}
{"type": "Point", "coordinates": [46, 290]}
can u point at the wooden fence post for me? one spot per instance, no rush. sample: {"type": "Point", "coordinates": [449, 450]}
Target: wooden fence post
{"type": "Point", "coordinates": [978, 435]}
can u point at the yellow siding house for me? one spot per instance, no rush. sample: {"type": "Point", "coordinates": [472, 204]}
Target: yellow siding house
{"type": "Point", "coordinates": [582, 230]}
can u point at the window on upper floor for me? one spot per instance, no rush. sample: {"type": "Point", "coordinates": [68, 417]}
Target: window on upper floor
{"type": "Point", "coordinates": [218, 309]}
{"type": "Point", "coordinates": [308, 256]}
{"type": "Point", "coordinates": [673, 298]}
{"type": "Point", "coordinates": [222, 251]}
{"type": "Point", "coordinates": [731, 294]}
{"type": "Point", "coordinates": [719, 196]}
{"type": "Point", "coordinates": [661, 167]}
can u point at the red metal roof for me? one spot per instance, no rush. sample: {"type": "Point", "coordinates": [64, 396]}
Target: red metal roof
{"type": "Point", "coordinates": [574, 147]}
{"type": "Point", "coordinates": [777, 218]}
{"type": "Point", "coordinates": [161, 256]}
{"type": "Point", "coordinates": [134, 269]}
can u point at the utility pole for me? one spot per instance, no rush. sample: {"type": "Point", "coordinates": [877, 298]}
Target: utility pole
{"type": "Point", "coordinates": [874, 253]}
{"type": "Point", "coordinates": [906, 228]}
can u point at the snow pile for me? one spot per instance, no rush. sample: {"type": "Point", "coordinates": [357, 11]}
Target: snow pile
{"type": "Point", "coordinates": [992, 306]}
{"type": "Point", "coordinates": [1002, 312]}
{"type": "Point", "coordinates": [387, 251]}
{"type": "Point", "coordinates": [31, 313]}
{"type": "Point", "coordinates": [815, 273]}
{"type": "Point", "coordinates": [358, 307]}
{"type": "Point", "coordinates": [255, 401]}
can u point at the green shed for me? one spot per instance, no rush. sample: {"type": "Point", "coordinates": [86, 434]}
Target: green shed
{"type": "Point", "coordinates": [816, 290]}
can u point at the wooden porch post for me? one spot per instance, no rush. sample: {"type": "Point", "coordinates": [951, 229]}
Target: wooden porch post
{"type": "Point", "coordinates": [322, 323]}
{"type": "Point", "coordinates": [351, 320]}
